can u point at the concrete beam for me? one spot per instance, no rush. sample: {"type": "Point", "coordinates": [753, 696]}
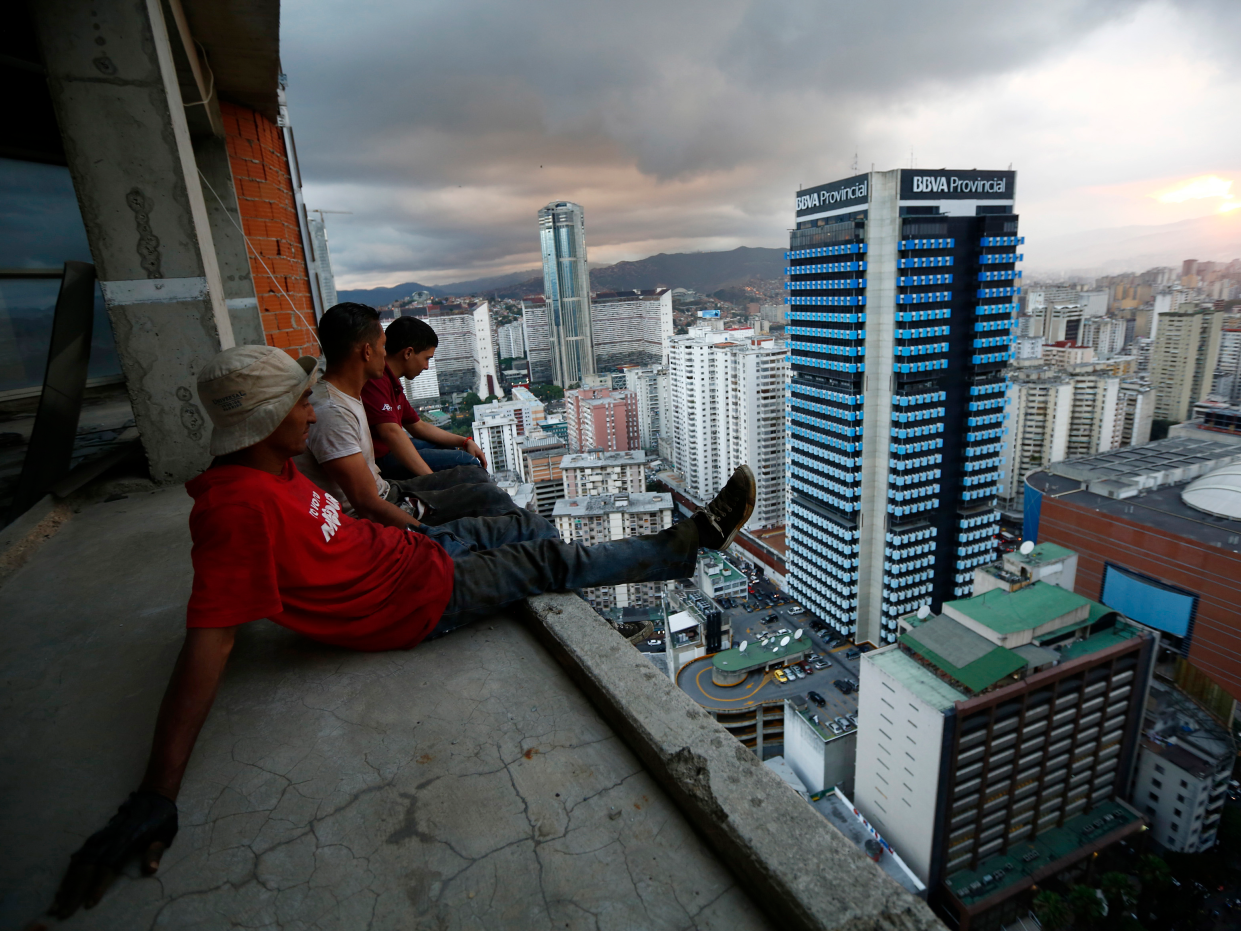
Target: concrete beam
{"type": "Point", "coordinates": [796, 865]}
{"type": "Point", "coordinates": [114, 85]}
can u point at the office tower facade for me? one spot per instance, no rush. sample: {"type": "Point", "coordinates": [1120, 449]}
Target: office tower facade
{"type": "Point", "coordinates": [631, 327]}
{"type": "Point", "coordinates": [604, 473]}
{"type": "Point", "coordinates": [566, 287]}
{"type": "Point", "coordinates": [604, 518]}
{"type": "Point", "coordinates": [1183, 359]}
{"type": "Point", "coordinates": [511, 341]}
{"type": "Point", "coordinates": [601, 418]}
{"type": "Point", "coordinates": [1181, 781]}
{"type": "Point", "coordinates": [726, 408]}
{"type": "Point", "coordinates": [1002, 731]}
{"type": "Point", "coordinates": [323, 261]}
{"type": "Point", "coordinates": [496, 436]}
{"type": "Point", "coordinates": [902, 290]}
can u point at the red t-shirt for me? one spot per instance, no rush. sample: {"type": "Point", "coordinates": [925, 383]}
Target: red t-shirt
{"type": "Point", "coordinates": [279, 547]}
{"type": "Point", "coordinates": [385, 402]}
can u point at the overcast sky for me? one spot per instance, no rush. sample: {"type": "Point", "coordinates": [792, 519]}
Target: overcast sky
{"type": "Point", "coordinates": [681, 126]}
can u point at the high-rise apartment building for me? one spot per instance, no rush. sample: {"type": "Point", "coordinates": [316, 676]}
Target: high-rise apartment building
{"type": "Point", "coordinates": [1183, 359]}
{"type": "Point", "coordinates": [1105, 335]}
{"type": "Point", "coordinates": [426, 387]}
{"type": "Point", "coordinates": [631, 327]}
{"type": "Point", "coordinates": [902, 289]}
{"type": "Point", "coordinates": [511, 340]}
{"type": "Point", "coordinates": [604, 473]}
{"type": "Point", "coordinates": [604, 518]}
{"type": "Point", "coordinates": [465, 358]}
{"type": "Point", "coordinates": [601, 418]}
{"type": "Point", "coordinates": [726, 408]}
{"type": "Point", "coordinates": [496, 436]}
{"type": "Point", "coordinates": [996, 742]}
{"type": "Point", "coordinates": [566, 286]}
{"type": "Point", "coordinates": [1135, 409]}
{"type": "Point", "coordinates": [649, 383]}
{"type": "Point", "coordinates": [541, 455]}
{"type": "Point", "coordinates": [526, 409]}
{"type": "Point", "coordinates": [536, 335]}
{"type": "Point", "coordinates": [1228, 366]}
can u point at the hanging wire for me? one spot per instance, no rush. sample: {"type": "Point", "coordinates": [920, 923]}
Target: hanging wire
{"type": "Point", "coordinates": [249, 245]}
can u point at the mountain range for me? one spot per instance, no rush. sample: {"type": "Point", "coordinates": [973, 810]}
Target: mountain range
{"type": "Point", "coordinates": [699, 271]}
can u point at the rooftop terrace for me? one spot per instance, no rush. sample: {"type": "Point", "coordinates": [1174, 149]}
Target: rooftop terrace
{"type": "Point", "coordinates": [531, 771]}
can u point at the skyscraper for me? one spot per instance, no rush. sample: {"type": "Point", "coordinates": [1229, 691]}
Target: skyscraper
{"type": "Point", "coordinates": [566, 285]}
{"type": "Point", "coordinates": [1183, 359]}
{"type": "Point", "coordinates": [902, 289]}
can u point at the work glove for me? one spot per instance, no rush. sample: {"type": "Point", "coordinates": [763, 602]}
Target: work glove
{"type": "Point", "coordinates": [145, 824]}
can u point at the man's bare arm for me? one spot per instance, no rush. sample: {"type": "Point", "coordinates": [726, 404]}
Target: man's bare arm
{"type": "Point", "coordinates": [147, 822]}
{"type": "Point", "coordinates": [399, 442]}
{"type": "Point", "coordinates": [425, 431]}
{"type": "Point", "coordinates": [357, 481]}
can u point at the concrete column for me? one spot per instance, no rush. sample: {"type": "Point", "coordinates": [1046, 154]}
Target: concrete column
{"type": "Point", "coordinates": [220, 197]}
{"type": "Point", "coordinates": [114, 85]}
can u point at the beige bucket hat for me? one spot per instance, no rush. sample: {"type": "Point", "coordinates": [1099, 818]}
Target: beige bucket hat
{"type": "Point", "coordinates": [248, 391]}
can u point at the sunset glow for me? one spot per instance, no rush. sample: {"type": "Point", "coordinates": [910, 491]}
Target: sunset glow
{"type": "Point", "coordinates": [1204, 188]}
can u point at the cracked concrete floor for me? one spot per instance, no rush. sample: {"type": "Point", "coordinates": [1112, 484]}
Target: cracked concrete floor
{"type": "Point", "coordinates": [464, 784]}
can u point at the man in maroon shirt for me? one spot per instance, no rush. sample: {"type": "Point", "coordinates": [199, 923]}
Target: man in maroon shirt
{"type": "Point", "coordinates": [269, 543]}
{"type": "Point", "coordinates": [406, 445]}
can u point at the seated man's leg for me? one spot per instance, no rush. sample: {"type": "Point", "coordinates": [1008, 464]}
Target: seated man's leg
{"type": "Point", "coordinates": [451, 503]}
{"type": "Point", "coordinates": [440, 458]}
{"type": "Point", "coordinates": [488, 581]}
{"type": "Point", "coordinates": [468, 534]}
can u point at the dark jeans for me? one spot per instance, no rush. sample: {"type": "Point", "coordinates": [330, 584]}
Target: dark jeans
{"type": "Point", "coordinates": [438, 458]}
{"type": "Point", "coordinates": [510, 558]}
{"type": "Point", "coordinates": [464, 491]}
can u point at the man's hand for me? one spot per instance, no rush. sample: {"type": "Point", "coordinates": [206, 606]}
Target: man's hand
{"type": "Point", "coordinates": [145, 824]}
{"type": "Point", "coordinates": [473, 449]}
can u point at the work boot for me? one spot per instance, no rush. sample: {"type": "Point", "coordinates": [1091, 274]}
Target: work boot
{"type": "Point", "coordinates": [727, 513]}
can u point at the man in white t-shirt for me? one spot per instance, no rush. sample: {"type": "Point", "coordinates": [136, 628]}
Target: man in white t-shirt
{"type": "Point", "coordinates": [340, 456]}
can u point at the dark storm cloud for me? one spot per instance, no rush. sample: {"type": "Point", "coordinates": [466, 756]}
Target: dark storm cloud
{"type": "Point", "coordinates": [445, 125]}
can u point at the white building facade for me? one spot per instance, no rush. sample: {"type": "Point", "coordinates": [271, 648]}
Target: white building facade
{"type": "Point", "coordinates": [496, 436]}
{"type": "Point", "coordinates": [726, 408]}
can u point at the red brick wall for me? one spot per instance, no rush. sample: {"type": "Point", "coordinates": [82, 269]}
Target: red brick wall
{"type": "Point", "coordinates": [1212, 574]}
{"type": "Point", "coordinates": [269, 218]}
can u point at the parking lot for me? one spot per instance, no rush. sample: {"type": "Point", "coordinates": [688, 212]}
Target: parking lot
{"type": "Point", "coordinates": [760, 687]}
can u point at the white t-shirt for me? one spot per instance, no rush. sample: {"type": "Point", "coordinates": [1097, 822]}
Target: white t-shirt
{"type": "Point", "coordinates": [340, 430]}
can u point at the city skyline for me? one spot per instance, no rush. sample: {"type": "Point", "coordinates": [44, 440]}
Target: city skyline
{"type": "Point", "coordinates": [694, 138]}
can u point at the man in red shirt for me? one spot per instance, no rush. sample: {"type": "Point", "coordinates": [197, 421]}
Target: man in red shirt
{"type": "Point", "coordinates": [269, 543]}
{"type": "Point", "coordinates": [406, 445]}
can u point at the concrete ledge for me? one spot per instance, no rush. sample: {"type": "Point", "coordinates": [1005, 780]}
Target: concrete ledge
{"type": "Point", "coordinates": [795, 864]}
{"type": "Point", "coordinates": [28, 532]}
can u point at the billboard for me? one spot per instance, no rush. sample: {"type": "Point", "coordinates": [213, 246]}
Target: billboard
{"type": "Point", "coordinates": [948, 184]}
{"type": "Point", "coordinates": [1147, 601]}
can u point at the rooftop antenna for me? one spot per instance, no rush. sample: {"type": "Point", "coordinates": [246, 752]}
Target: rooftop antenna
{"type": "Point", "coordinates": [855, 159]}
{"type": "Point", "coordinates": [1027, 548]}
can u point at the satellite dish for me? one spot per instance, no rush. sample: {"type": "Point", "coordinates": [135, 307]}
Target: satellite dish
{"type": "Point", "coordinates": [1027, 548]}
{"type": "Point", "coordinates": [797, 636]}
{"type": "Point", "coordinates": [924, 612]}
{"type": "Point", "coordinates": [784, 641]}
{"type": "Point", "coordinates": [744, 644]}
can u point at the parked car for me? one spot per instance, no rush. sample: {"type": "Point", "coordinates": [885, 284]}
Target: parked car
{"type": "Point", "coordinates": [852, 719]}
{"type": "Point", "coordinates": [835, 728]}
{"type": "Point", "coordinates": [841, 686]}
{"type": "Point", "coordinates": [780, 676]}
{"type": "Point", "coordinates": [853, 653]}
{"type": "Point", "coordinates": [805, 667]}
{"type": "Point", "coordinates": [654, 643]}
{"type": "Point", "coordinates": [816, 698]}
{"type": "Point", "coordinates": [822, 663]}
{"type": "Point", "coordinates": [797, 671]}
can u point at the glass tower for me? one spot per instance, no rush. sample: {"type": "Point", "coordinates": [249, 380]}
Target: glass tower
{"type": "Point", "coordinates": [902, 289]}
{"type": "Point", "coordinates": [566, 284]}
